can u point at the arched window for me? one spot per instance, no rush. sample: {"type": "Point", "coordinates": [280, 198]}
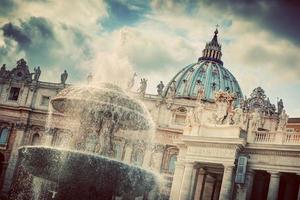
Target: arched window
{"type": "Point", "coordinates": [35, 139]}
{"type": "Point", "coordinates": [4, 135]}
{"type": "Point", "coordinates": [138, 157]}
{"type": "Point", "coordinates": [171, 165]}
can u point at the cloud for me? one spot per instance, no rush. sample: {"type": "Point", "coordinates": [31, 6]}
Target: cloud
{"type": "Point", "coordinates": [6, 7]}
{"type": "Point", "coordinates": [275, 16]}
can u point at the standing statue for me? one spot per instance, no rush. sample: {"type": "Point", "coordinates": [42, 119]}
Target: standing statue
{"type": "Point", "coordinates": [37, 73]}
{"type": "Point", "coordinates": [160, 88]}
{"type": "Point", "coordinates": [190, 118]}
{"type": "Point", "coordinates": [238, 116]}
{"type": "Point", "coordinates": [63, 77]}
{"type": "Point", "coordinates": [143, 87]}
{"type": "Point", "coordinates": [256, 120]}
{"type": "Point", "coordinates": [172, 89]}
{"type": "Point", "coordinates": [280, 106]}
{"type": "Point", "coordinates": [283, 119]}
{"type": "Point", "coordinates": [130, 83]}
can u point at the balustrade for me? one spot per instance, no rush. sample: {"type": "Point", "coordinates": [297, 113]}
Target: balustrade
{"type": "Point", "coordinates": [265, 137]}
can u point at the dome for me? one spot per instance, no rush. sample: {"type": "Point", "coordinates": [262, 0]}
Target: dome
{"type": "Point", "coordinates": [208, 72]}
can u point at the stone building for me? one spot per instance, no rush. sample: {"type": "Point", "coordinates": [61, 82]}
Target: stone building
{"type": "Point", "coordinates": [209, 142]}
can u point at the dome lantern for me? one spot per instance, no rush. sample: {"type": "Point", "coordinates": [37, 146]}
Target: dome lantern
{"type": "Point", "coordinates": [212, 50]}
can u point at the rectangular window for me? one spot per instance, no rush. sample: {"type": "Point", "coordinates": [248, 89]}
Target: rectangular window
{"type": "Point", "coordinates": [180, 119]}
{"type": "Point", "coordinates": [14, 94]}
{"type": "Point", "coordinates": [45, 100]}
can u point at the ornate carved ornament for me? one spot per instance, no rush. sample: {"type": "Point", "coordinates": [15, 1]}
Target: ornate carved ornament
{"type": "Point", "coordinates": [258, 100]}
{"type": "Point", "coordinates": [20, 73]}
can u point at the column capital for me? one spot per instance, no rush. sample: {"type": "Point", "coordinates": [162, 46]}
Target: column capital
{"type": "Point", "coordinates": [189, 164]}
{"type": "Point", "coordinates": [275, 174]}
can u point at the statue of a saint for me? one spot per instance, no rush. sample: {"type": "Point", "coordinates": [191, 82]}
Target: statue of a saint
{"type": "Point", "coordinates": [172, 89]}
{"type": "Point", "coordinates": [143, 87]}
{"type": "Point", "coordinates": [256, 120]}
{"type": "Point", "coordinates": [280, 106]}
{"type": "Point", "coordinates": [63, 77]}
{"type": "Point", "coordinates": [160, 88]}
{"type": "Point", "coordinates": [37, 73]}
{"type": "Point", "coordinates": [283, 119]}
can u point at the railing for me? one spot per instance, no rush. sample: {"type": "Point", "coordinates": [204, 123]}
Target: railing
{"type": "Point", "coordinates": [265, 137]}
{"type": "Point", "coordinates": [292, 138]}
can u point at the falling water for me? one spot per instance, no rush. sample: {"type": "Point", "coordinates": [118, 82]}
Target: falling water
{"type": "Point", "coordinates": [79, 156]}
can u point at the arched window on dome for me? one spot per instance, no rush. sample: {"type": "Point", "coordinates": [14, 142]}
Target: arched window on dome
{"type": "Point", "coordinates": [35, 139]}
{"type": "Point", "coordinates": [4, 134]}
{"type": "Point", "coordinates": [138, 157]}
{"type": "Point", "coordinates": [172, 162]}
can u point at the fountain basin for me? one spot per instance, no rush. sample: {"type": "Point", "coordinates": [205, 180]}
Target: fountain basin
{"type": "Point", "coordinates": [81, 175]}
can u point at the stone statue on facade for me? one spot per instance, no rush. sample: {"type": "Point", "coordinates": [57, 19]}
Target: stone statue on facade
{"type": "Point", "coordinates": [143, 87]}
{"type": "Point", "coordinates": [256, 120]}
{"type": "Point", "coordinates": [280, 106]}
{"type": "Point", "coordinates": [3, 71]}
{"type": "Point", "coordinates": [172, 89]}
{"type": "Point", "coordinates": [63, 77]}
{"type": "Point", "coordinates": [160, 88]}
{"type": "Point", "coordinates": [130, 83]}
{"type": "Point", "coordinates": [190, 118]}
{"type": "Point", "coordinates": [238, 117]}
{"type": "Point", "coordinates": [37, 73]}
{"type": "Point", "coordinates": [283, 119]}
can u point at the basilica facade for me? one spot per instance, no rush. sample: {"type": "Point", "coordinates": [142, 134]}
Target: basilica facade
{"type": "Point", "coordinates": [209, 141]}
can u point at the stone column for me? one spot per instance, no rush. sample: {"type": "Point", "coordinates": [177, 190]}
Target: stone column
{"type": "Point", "coordinates": [273, 185]}
{"type": "Point", "coordinates": [186, 186]}
{"type": "Point", "coordinates": [128, 152]}
{"type": "Point", "coordinates": [177, 180]}
{"type": "Point", "coordinates": [200, 183]}
{"type": "Point", "coordinates": [9, 173]}
{"type": "Point", "coordinates": [226, 187]}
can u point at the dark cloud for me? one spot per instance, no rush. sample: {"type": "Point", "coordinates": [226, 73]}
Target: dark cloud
{"type": "Point", "coordinates": [279, 17]}
{"type": "Point", "coordinates": [7, 6]}
{"type": "Point", "coordinates": [35, 37]}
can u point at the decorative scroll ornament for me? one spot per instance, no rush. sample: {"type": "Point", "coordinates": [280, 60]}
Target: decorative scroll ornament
{"type": "Point", "coordinates": [258, 100]}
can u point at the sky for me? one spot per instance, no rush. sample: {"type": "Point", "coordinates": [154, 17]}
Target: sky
{"type": "Point", "coordinates": [112, 39]}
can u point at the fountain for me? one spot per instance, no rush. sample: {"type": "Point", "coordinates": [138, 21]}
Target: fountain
{"type": "Point", "coordinates": [80, 165]}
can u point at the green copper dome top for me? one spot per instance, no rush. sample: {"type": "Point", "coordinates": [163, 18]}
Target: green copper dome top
{"type": "Point", "coordinates": [208, 72]}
